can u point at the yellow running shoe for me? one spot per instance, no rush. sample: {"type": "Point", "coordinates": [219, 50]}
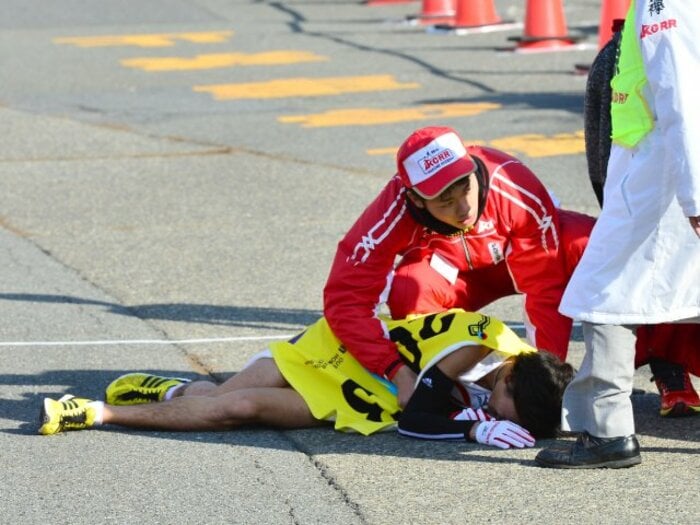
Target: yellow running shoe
{"type": "Point", "coordinates": [68, 413]}
{"type": "Point", "coordinates": [138, 388]}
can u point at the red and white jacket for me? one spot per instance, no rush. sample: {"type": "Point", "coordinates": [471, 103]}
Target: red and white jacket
{"type": "Point", "coordinates": [519, 226]}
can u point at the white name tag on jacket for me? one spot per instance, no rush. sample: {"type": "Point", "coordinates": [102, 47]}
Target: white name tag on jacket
{"type": "Point", "coordinates": [444, 268]}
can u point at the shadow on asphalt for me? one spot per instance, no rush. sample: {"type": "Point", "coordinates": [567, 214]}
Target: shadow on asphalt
{"type": "Point", "coordinates": [243, 316]}
{"type": "Point", "coordinates": [315, 441]}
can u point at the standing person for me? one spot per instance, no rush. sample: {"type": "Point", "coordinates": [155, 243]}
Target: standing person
{"type": "Point", "coordinates": [641, 263]}
{"type": "Point", "coordinates": [469, 226]}
{"type": "Point", "coordinates": [478, 382]}
{"type": "Point", "coordinates": [670, 350]}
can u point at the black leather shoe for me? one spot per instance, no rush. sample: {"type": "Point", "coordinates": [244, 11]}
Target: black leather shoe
{"type": "Point", "coordinates": [592, 452]}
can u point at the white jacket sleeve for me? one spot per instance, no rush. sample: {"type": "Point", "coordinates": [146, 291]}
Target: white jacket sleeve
{"type": "Point", "coordinates": [669, 34]}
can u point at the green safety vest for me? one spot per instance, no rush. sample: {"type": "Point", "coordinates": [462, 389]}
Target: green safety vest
{"type": "Point", "coordinates": [631, 117]}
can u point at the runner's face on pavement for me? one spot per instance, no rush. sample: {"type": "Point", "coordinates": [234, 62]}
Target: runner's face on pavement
{"type": "Point", "coordinates": [458, 205]}
{"type": "Point", "coordinates": [501, 404]}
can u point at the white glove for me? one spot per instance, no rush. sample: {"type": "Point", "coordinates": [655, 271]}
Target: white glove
{"type": "Point", "coordinates": [503, 434]}
{"type": "Point", "coordinates": [469, 414]}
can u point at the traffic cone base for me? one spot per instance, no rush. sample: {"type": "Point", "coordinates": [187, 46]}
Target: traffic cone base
{"type": "Point", "coordinates": [475, 14]}
{"type": "Point", "coordinates": [504, 25]}
{"type": "Point", "coordinates": [429, 20]}
{"type": "Point", "coordinates": [549, 43]}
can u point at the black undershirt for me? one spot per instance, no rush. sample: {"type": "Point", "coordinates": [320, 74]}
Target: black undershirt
{"type": "Point", "coordinates": [427, 414]}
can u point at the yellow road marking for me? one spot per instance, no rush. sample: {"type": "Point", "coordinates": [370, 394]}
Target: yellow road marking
{"type": "Point", "coordinates": [382, 151]}
{"type": "Point", "coordinates": [304, 87]}
{"type": "Point", "coordinates": [535, 145]}
{"type": "Point", "coordinates": [219, 60]}
{"type": "Point", "coordinates": [392, 151]}
{"type": "Point", "coordinates": [146, 40]}
{"type": "Point", "coordinates": [531, 145]}
{"type": "Point", "coordinates": [372, 116]}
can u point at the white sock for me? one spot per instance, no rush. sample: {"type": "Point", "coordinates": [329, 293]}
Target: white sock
{"type": "Point", "coordinates": [171, 391]}
{"type": "Point", "coordinates": [99, 408]}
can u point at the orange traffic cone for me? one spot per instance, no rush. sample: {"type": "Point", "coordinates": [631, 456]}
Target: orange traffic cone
{"type": "Point", "coordinates": [474, 14]}
{"type": "Point", "coordinates": [435, 12]}
{"type": "Point", "coordinates": [610, 11]}
{"type": "Point", "coordinates": [545, 27]}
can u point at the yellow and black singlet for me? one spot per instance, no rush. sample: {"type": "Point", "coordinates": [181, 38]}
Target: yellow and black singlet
{"type": "Point", "coordinates": [337, 387]}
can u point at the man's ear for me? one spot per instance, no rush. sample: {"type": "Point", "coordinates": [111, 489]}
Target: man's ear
{"type": "Point", "coordinates": [415, 199]}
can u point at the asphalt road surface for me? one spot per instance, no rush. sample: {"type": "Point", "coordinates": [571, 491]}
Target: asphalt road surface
{"type": "Point", "coordinates": [175, 176]}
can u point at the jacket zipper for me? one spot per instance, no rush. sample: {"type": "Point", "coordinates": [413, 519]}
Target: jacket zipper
{"type": "Point", "coordinates": [466, 252]}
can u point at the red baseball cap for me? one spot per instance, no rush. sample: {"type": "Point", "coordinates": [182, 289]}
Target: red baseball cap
{"type": "Point", "coordinates": [431, 159]}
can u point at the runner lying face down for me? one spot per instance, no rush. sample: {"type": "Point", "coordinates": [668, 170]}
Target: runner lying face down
{"type": "Point", "coordinates": [477, 381]}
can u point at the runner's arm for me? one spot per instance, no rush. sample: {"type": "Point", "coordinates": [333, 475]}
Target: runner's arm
{"type": "Point", "coordinates": [427, 415]}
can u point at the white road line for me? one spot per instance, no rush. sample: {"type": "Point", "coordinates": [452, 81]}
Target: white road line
{"type": "Point", "coordinates": [146, 341]}
{"type": "Point", "coordinates": [207, 340]}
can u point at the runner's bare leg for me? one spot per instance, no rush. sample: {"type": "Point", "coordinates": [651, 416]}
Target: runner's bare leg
{"type": "Point", "coordinates": [266, 406]}
{"type": "Point", "coordinates": [263, 372]}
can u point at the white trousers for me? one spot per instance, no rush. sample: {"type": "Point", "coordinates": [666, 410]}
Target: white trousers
{"type": "Point", "coordinates": [598, 399]}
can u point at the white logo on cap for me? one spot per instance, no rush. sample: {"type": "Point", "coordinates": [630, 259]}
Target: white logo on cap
{"type": "Point", "coordinates": [441, 152]}
{"type": "Point", "coordinates": [435, 160]}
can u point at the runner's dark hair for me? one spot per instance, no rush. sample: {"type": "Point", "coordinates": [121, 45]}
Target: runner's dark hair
{"type": "Point", "coordinates": [537, 384]}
